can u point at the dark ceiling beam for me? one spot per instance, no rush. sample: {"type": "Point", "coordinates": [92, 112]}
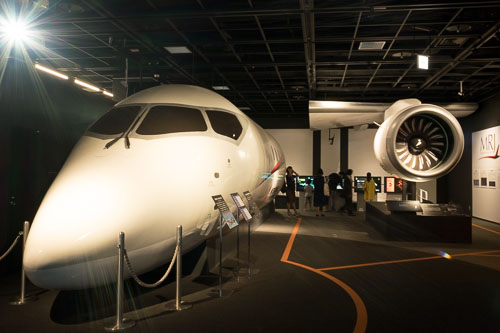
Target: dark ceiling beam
{"type": "Point", "coordinates": [66, 32]}
{"type": "Point", "coordinates": [389, 48]}
{"type": "Point", "coordinates": [490, 94]}
{"type": "Point", "coordinates": [327, 40]}
{"type": "Point", "coordinates": [233, 51]}
{"type": "Point", "coordinates": [321, 66]}
{"type": "Point", "coordinates": [203, 56]}
{"type": "Point", "coordinates": [96, 38]}
{"type": "Point", "coordinates": [351, 48]}
{"type": "Point", "coordinates": [307, 20]}
{"type": "Point", "coordinates": [461, 56]}
{"type": "Point", "coordinates": [271, 56]}
{"type": "Point", "coordinates": [478, 70]}
{"type": "Point", "coordinates": [98, 8]}
{"type": "Point", "coordinates": [169, 13]}
{"type": "Point", "coordinates": [434, 41]}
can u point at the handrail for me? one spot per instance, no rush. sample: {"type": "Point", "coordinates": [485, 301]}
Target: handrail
{"type": "Point", "coordinates": [12, 246]}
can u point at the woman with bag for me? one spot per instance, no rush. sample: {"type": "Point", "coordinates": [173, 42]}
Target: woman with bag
{"type": "Point", "coordinates": [319, 192]}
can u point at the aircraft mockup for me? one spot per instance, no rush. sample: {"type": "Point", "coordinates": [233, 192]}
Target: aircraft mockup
{"type": "Point", "coordinates": [151, 163]}
{"type": "Point", "coordinates": [417, 142]}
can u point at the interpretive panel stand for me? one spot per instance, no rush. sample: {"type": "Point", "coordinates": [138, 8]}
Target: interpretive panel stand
{"type": "Point", "coordinates": [243, 210]}
{"type": "Point", "coordinates": [256, 213]}
{"type": "Point", "coordinates": [228, 218]}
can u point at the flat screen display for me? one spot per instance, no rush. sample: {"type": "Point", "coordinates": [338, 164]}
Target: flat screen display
{"type": "Point", "coordinates": [393, 185]}
{"type": "Point", "coordinates": [359, 181]}
{"type": "Point", "coordinates": [302, 182]}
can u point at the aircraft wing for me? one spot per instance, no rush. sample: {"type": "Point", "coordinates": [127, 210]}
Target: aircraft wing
{"type": "Point", "coordinates": [336, 114]}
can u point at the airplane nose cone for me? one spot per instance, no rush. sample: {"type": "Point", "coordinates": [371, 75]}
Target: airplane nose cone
{"type": "Point", "coordinates": [72, 242]}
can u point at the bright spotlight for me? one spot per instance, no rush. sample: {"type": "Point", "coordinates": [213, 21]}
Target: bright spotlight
{"type": "Point", "coordinates": [423, 61]}
{"type": "Point", "coordinates": [15, 30]}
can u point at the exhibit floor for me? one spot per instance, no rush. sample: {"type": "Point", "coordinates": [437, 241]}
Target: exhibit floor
{"type": "Point", "coordinates": [309, 274]}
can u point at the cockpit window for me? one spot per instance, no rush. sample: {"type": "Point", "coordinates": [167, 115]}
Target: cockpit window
{"type": "Point", "coordinates": [165, 119]}
{"type": "Point", "coordinates": [115, 121]}
{"type": "Point", "coordinates": [225, 123]}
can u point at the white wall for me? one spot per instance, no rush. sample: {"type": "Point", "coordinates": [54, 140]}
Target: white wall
{"type": "Point", "coordinates": [297, 145]}
{"type": "Point", "coordinates": [330, 153]}
{"type": "Point", "coordinates": [362, 158]}
{"type": "Point", "coordinates": [486, 174]}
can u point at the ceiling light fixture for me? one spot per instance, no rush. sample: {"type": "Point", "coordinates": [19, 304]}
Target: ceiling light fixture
{"type": "Point", "coordinates": [423, 61]}
{"type": "Point", "coordinates": [107, 93]}
{"type": "Point", "coordinates": [86, 85]}
{"type": "Point", "coordinates": [220, 88]}
{"type": "Point", "coordinates": [371, 45]}
{"type": "Point", "coordinates": [177, 49]}
{"type": "Point", "coordinates": [51, 72]}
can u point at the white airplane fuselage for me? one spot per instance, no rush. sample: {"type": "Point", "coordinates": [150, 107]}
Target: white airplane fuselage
{"type": "Point", "coordinates": [145, 185]}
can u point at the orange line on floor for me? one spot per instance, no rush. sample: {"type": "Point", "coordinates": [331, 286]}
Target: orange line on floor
{"type": "Point", "coordinates": [484, 228]}
{"type": "Point", "coordinates": [288, 247]}
{"type": "Point", "coordinates": [405, 260]}
{"type": "Point", "coordinates": [379, 263]}
{"type": "Point", "coordinates": [361, 313]}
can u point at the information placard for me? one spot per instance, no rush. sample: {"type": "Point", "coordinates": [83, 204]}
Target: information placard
{"type": "Point", "coordinates": [227, 216]}
{"type": "Point", "coordinates": [241, 206]}
{"type": "Point", "coordinates": [254, 209]}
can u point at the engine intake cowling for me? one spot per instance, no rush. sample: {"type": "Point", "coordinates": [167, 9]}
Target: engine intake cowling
{"type": "Point", "coordinates": [419, 143]}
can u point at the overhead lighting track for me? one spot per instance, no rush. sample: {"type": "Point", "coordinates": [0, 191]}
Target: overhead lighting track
{"type": "Point", "coordinates": [86, 85]}
{"type": "Point", "coordinates": [51, 72]}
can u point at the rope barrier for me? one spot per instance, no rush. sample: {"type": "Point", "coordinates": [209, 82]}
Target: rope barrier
{"type": "Point", "coordinates": [12, 246]}
{"type": "Point", "coordinates": [149, 285]}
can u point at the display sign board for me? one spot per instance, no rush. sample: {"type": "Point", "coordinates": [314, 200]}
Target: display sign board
{"type": "Point", "coordinates": [393, 185]}
{"type": "Point", "coordinates": [227, 216]}
{"type": "Point", "coordinates": [486, 174]}
{"type": "Point", "coordinates": [241, 206]}
{"type": "Point", "coordinates": [359, 181]}
{"type": "Point", "coordinates": [254, 209]}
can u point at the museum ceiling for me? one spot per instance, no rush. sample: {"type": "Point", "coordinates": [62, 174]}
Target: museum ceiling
{"type": "Point", "coordinates": [271, 57]}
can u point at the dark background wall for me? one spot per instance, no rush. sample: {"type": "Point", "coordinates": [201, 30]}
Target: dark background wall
{"type": "Point", "coordinates": [41, 118]}
{"type": "Point", "coordinates": [457, 185]}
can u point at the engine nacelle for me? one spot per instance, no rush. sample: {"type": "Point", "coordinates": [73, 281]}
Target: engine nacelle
{"type": "Point", "coordinates": [419, 142]}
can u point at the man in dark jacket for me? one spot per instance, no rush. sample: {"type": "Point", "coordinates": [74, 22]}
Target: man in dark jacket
{"type": "Point", "coordinates": [348, 192]}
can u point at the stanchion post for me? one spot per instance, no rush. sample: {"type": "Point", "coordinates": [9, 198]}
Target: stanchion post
{"type": "Point", "coordinates": [23, 299]}
{"type": "Point", "coordinates": [248, 242]}
{"type": "Point", "coordinates": [120, 323]}
{"type": "Point", "coordinates": [238, 246]}
{"type": "Point", "coordinates": [178, 288]}
{"type": "Point", "coordinates": [179, 303]}
{"type": "Point", "coordinates": [220, 256]}
{"type": "Point", "coordinates": [26, 230]}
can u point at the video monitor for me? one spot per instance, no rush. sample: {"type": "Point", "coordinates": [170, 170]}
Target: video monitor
{"type": "Point", "coordinates": [302, 182]}
{"type": "Point", "coordinates": [393, 185]}
{"type": "Point", "coordinates": [359, 181]}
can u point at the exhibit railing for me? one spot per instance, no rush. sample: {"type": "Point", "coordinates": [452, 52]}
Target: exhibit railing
{"type": "Point", "coordinates": [22, 299]}
{"type": "Point", "coordinates": [14, 243]}
{"type": "Point", "coordinates": [179, 305]}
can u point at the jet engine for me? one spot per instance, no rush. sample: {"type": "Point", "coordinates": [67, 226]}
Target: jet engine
{"type": "Point", "coordinates": [418, 142]}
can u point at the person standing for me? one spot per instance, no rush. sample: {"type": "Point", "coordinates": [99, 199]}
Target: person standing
{"type": "Point", "coordinates": [308, 190]}
{"type": "Point", "coordinates": [369, 188]}
{"type": "Point", "coordinates": [348, 192]}
{"type": "Point", "coordinates": [290, 189]}
{"type": "Point", "coordinates": [319, 192]}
